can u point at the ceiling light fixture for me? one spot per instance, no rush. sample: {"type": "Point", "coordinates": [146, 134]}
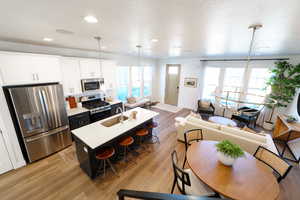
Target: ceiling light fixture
{"type": "Point", "coordinates": [48, 39]}
{"type": "Point", "coordinates": [91, 19]}
{"type": "Point", "coordinates": [154, 40]}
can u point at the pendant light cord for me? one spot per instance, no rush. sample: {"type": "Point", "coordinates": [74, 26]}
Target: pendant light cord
{"type": "Point", "coordinates": [100, 62]}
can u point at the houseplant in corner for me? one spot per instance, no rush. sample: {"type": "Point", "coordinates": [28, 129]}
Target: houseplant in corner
{"type": "Point", "coordinates": [284, 82]}
{"type": "Point", "coordinates": [228, 152]}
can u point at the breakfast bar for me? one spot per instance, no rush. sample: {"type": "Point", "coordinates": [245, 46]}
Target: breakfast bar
{"type": "Point", "coordinates": [89, 139]}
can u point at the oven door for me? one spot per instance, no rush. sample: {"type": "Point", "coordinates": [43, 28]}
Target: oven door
{"type": "Point", "coordinates": [90, 85]}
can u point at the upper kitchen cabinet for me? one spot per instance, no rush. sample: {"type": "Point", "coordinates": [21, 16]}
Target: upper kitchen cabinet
{"type": "Point", "coordinates": [21, 68]}
{"type": "Point", "coordinates": [71, 76]}
{"type": "Point", "coordinates": [89, 68]}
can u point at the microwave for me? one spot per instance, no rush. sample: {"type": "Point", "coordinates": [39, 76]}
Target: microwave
{"type": "Point", "coordinates": [91, 84]}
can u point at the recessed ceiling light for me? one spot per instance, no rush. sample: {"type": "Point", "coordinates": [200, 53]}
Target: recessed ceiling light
{"type": "Point", "coordinates": [48, 39]}
{"type": "Point", "coordinates": [154, 40]}
{"type": "Point", "coordinates": [103, 47]}
{"type": "Point", "coordinates": [90, 19]}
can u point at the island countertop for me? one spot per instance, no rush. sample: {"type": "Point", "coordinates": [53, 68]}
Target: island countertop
{"type": "Point", "coordinates": [96, 134]}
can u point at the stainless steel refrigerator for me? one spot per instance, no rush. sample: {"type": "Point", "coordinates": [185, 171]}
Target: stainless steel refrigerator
{"type": "Point", "coordinates": [42, 119]}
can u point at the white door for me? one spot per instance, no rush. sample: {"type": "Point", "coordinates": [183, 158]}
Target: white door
{"type": "Point", "coordinates": [17, 69]}
{"type": "Point", "coordinates": [172, 84]}
{"type": "Point", "coordinates": [71, 76]}
{"type": "Point", "coordinates": [47, 69]}
{"type": "Point", "coordinates": [5, 164]}
{"type": "Point", "coordinates": [90, 68]}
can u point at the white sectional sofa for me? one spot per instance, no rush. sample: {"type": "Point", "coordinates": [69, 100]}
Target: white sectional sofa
{"type": "Point", "coordinates": [139, 102]}
{"type": "Point", "coordinates": [212, 131]}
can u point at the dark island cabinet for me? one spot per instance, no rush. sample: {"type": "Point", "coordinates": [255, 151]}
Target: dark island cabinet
{"type": "Point", "coordinates": [79, 120]}
{"type": "Point", "coordinates": [114, 108]}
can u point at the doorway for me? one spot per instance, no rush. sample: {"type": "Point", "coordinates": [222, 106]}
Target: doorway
{"type": "Point", "coordinates": [172, 84]}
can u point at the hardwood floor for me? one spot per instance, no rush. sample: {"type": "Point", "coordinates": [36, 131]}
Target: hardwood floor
{"type": "Point", "coordinates": [60, 177]}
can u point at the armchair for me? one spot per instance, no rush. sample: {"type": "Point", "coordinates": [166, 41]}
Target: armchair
{"type": "Point", "coordinates": [247, 115]}
{"type": "Point", "coordinates": [205, 107]}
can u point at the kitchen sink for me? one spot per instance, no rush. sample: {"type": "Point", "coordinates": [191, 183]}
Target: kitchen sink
{"type": "Point", "coordinates": [113, 121]}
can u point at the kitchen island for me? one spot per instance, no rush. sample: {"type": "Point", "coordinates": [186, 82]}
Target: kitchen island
{"type": "Point", "coordinates": [107, 132]}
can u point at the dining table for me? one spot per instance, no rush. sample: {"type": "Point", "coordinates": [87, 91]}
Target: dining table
{"type": "Point", "coordinates": [247, 178]}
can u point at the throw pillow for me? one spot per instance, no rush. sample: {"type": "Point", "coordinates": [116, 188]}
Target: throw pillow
{"type": "Point", "coordinates": [205, 104]}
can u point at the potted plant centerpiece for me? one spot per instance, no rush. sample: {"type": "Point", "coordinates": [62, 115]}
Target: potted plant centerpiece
{"type": "Point", "coordinates": [228, 152]}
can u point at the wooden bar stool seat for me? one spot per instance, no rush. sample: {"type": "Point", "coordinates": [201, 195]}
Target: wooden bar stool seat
{"type": "Point", "coordinates": [155, 138]}
{"type": "Point", "coordinates": [103, 156]}
{"type": "Point", "coordinates": [152, 125]}
{"type": "Point", "coordinates": [126, 142]}
{"type": "Point", "coordinates": [142, 132]}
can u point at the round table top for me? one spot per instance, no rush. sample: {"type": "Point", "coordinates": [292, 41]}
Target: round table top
{"type": "Point", "coordinates": [222, 121]}
{"type": "Point", "coordinates": [248, 178]}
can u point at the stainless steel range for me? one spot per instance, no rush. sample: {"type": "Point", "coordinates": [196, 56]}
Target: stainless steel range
{"type": "Point", "coordinates": [99, 109]}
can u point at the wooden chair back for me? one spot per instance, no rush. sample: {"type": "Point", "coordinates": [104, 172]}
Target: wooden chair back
{"type": "Point", "coordinates": [192, 135]}
{"type": "Point", "coordinates": [280, 166]}
{"type": "Point", "coordinates": [181, 177]}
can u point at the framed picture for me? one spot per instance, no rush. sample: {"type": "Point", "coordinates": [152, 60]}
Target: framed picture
{"type": "Point", "coordinates": [190, 82]}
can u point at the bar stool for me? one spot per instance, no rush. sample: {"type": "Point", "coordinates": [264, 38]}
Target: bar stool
{"type": "Point", "coordinates": [104, 155]}
{"type": "Point", "coordinates": [152, 126]}
{"type": "Point", "coordinates": [126, 142]}
{"type": "Point", "coordinates": [140, 134]}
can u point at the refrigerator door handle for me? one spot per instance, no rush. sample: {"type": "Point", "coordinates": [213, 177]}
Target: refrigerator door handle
{"type": "Point", "coordinates": [52, 132]}
{"type": "Point", "coordinates": [45, 106]}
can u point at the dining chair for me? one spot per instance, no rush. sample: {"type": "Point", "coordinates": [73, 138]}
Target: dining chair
{"type": "Point", "coordinates": [187, 183]}
{"type": "Point", "coordinates": [279, 166]}
{"type": "Point", "coordinates": [190, 136]}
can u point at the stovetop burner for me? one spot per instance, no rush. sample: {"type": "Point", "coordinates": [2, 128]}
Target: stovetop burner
{"type": "Point", "coordinates": [96, 106]}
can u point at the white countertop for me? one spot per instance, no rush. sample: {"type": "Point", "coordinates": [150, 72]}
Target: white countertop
{"type": "Point", "coordinates": [96, 134]}
{"type": "Point", "coordinates": [75, 111]}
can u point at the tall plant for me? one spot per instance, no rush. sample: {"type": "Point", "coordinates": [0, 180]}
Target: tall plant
{"type": "Point", "coordinates": [284, 82]}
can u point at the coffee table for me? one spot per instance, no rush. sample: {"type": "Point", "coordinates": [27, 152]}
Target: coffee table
{"type": "Point", "coordinates": [222, 121]}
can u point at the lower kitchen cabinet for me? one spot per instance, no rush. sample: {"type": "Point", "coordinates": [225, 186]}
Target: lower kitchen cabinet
{"type": "Point", "coordinates": [79, 120]}
{"type": "Point", "coordinates": [114, 108]}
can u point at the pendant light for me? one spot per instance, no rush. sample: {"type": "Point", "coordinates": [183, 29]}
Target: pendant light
{"type": "Point", "coordinates": [254, 27]}
{"type": "Point", "coordinates": [100, 61]}
{"type": "Point", "coordinates": [139, 54]}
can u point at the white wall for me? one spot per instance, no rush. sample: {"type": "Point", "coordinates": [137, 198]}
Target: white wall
{"type": "Point", "coordinates": [195, 68]}
{"type": "Point", "coordinates": [190, 68]}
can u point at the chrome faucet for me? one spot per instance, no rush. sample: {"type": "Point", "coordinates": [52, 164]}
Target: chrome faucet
{"type": "Point", "coordinates": [122, 115]}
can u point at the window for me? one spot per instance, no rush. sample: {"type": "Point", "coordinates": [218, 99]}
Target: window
{"type": "Point", "coordinates": [211, 82]}
{"type": "Point", "coordinates": [136, 78]}
{"type": "Point", "coordinates": [134, 81]}
{"type": "Point", "coordinates": [257, 84]}
{"type": "Point", "coordinates": [147, 81]}
{"type": "Point", "coordinates": [123, 83]}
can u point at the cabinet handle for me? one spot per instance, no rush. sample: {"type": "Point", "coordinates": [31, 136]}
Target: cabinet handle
{"type": "Point", "coordinates": [33, 77]}
{"type": "Point", "coordinates": [38, 78]}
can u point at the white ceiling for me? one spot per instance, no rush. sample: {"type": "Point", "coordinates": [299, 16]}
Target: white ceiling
{"type": "Point", "coordinates": [183, 27]}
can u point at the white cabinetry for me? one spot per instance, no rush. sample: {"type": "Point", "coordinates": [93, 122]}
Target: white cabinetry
{"type": "Point", "coordinates": [89, 68]}
{"type": "Point", "coordinates": [71, 76]}
{"type": "Point", "coordinates": [19, 68]}
{"type": "Point", "coordinates": [5, 164]}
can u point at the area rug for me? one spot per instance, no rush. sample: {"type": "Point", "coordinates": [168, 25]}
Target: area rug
{"type": "Point", "coordinates": [167, 107]}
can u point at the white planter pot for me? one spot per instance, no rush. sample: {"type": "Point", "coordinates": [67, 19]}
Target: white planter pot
{"type": "Point", "coordinates": [268, 125]}
{"type": "Point", "coordinates": [226, 160]}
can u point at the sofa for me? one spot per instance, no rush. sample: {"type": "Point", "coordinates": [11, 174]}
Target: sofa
{"type": "Point", "coordinates": [248, 141]}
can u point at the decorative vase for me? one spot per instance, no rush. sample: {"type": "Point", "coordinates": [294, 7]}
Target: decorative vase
{"type": "Point", "coordinates": [226, 160]}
